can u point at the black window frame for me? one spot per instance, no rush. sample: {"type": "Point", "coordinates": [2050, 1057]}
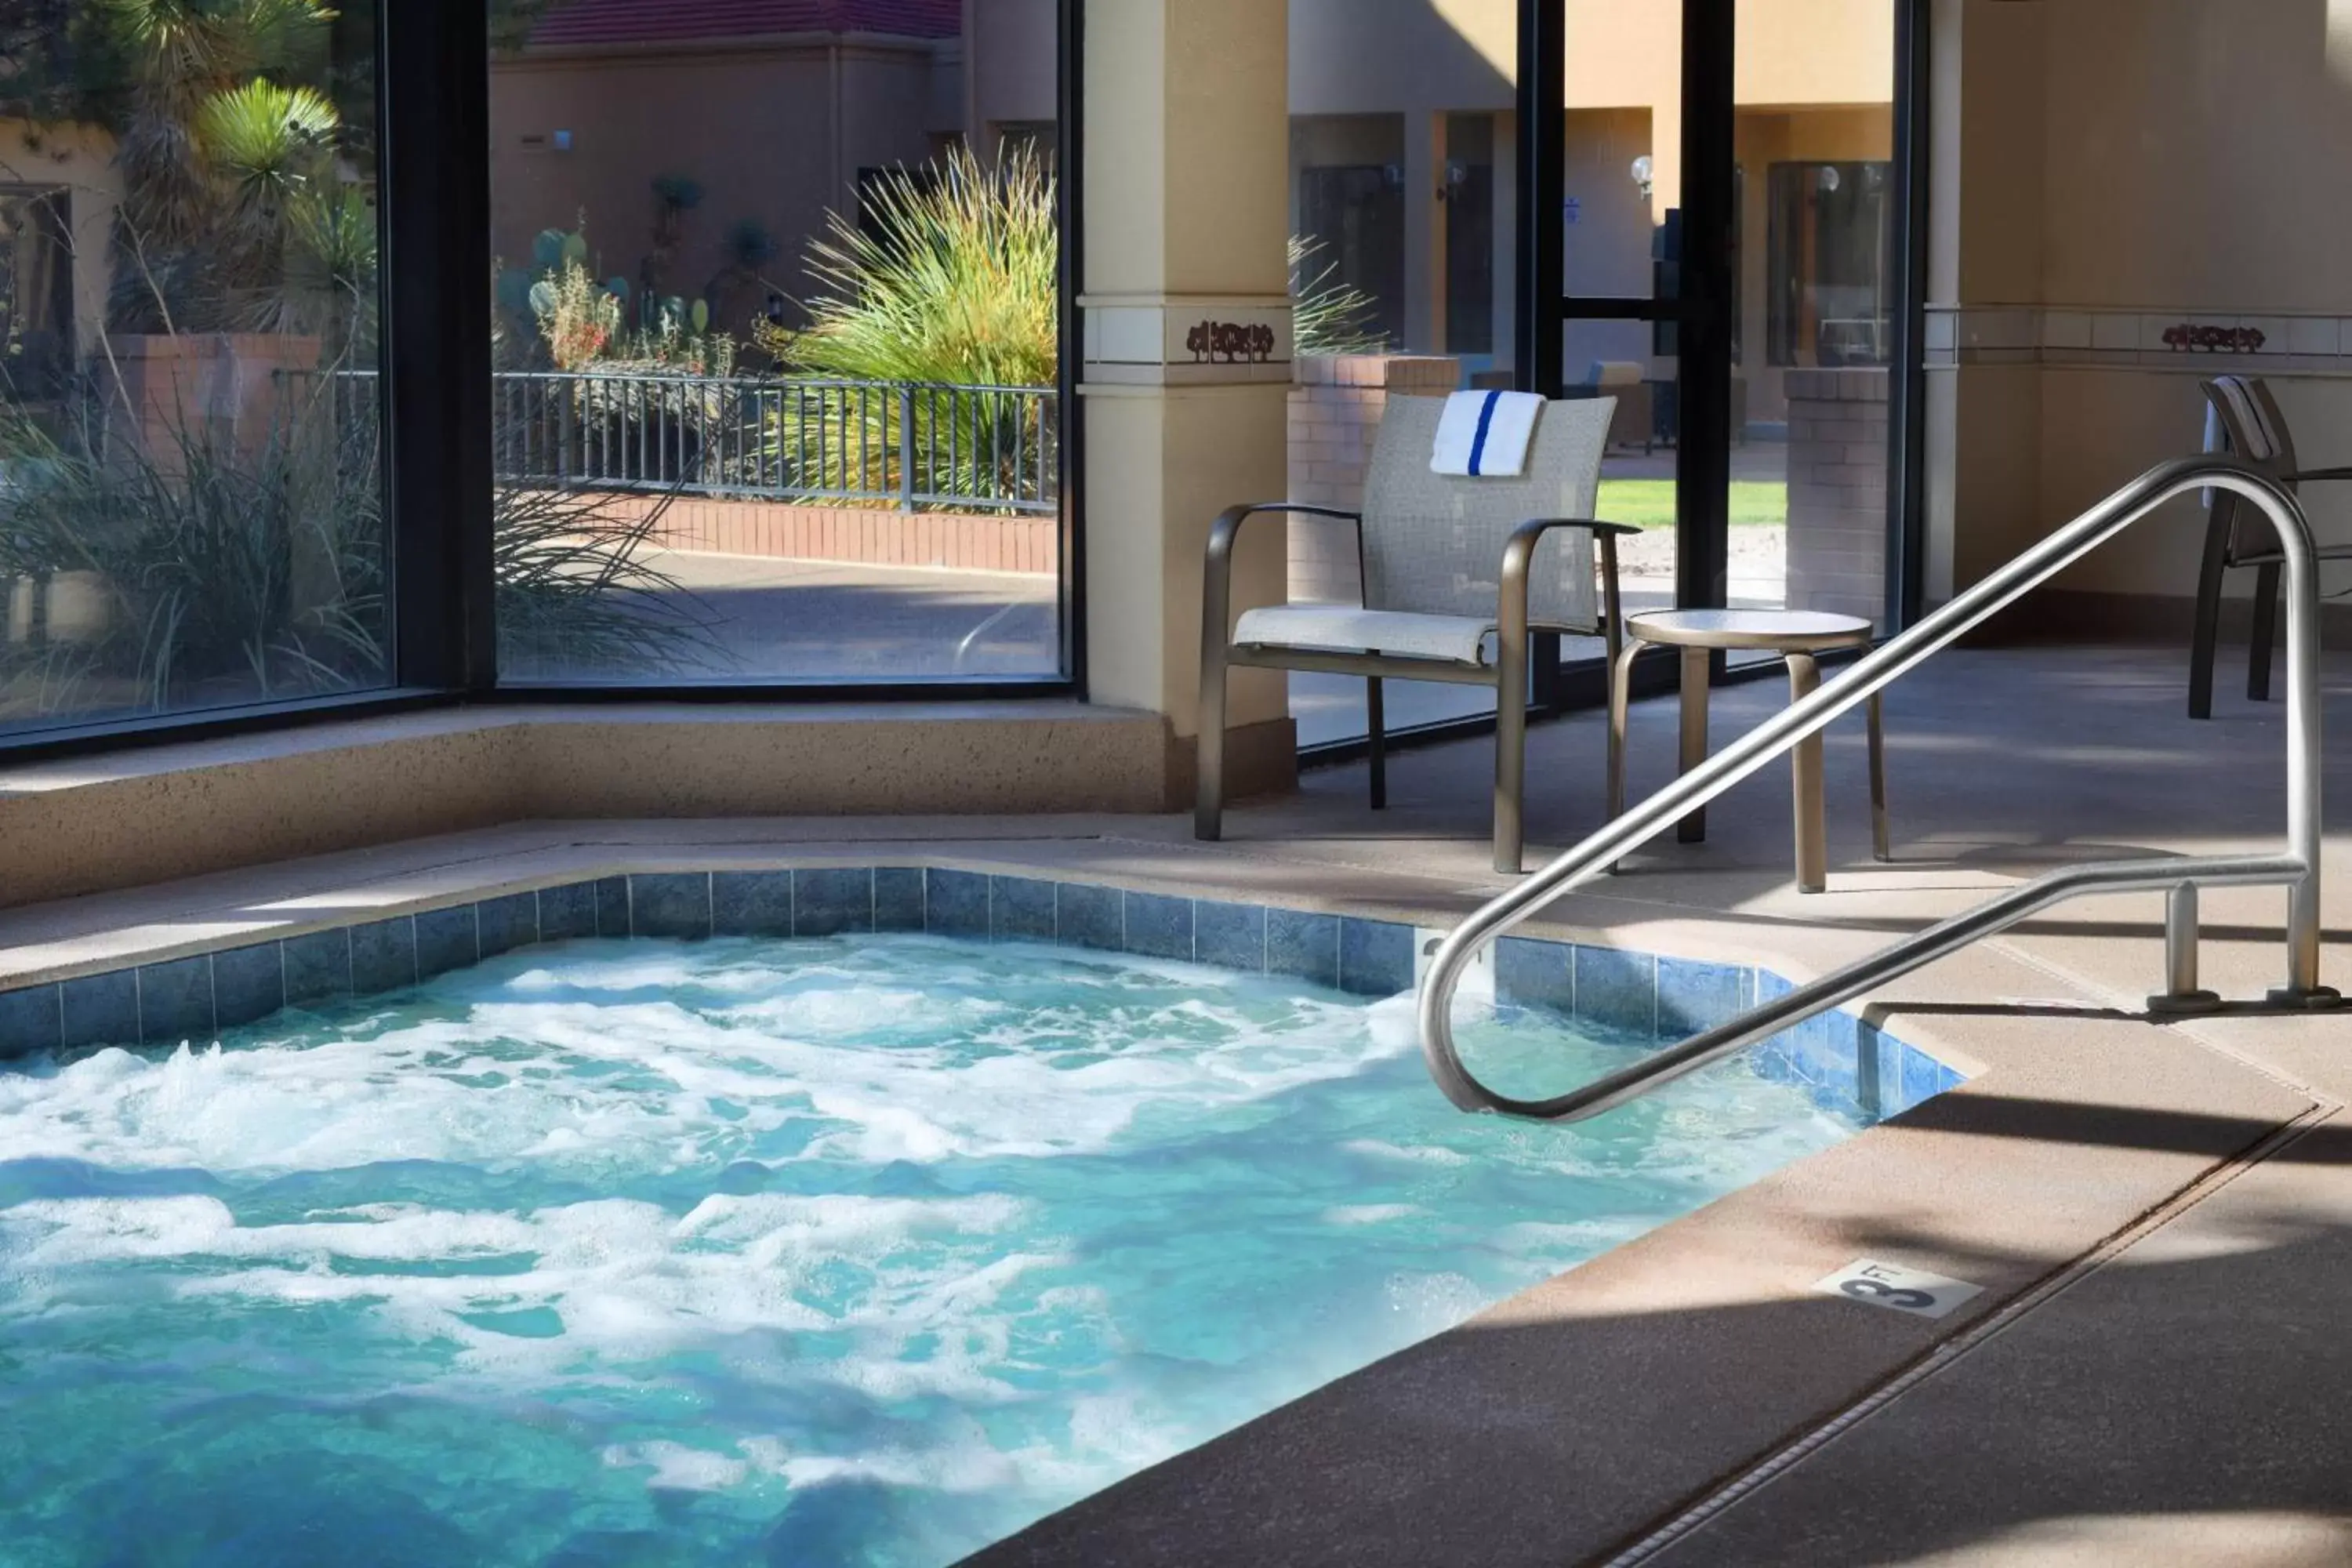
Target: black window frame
{"type": "Point", "coordinates": [434, 185]}
{"type": "Point", "coordinates": [1699, 315]}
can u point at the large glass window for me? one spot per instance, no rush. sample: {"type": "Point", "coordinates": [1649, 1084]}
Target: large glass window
{"type": "Point", "coordinates": [191, 515]}
{"type": "Point", "coordinates": [1830, 285]}
{"type": "Point", "coordinates": [1403, 211]}
{"type": "Point", "coordinates": [777, 345]}
{"type": "Point", "coordinates": [1820, 272]}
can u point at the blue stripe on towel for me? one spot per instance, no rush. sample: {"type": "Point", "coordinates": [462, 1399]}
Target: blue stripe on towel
{"type": "Point", "coordinates": [1478, 442]}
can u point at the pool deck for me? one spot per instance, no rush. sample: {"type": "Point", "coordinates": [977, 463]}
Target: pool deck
{"type": "Point", "coordinates": [2160, 1217]}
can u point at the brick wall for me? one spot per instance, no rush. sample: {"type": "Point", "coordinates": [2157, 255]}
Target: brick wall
{"type": "Point", "coordinates": [955, 541]}
{"type": "Point", "coordinates": [1335, 412]}
{"type": "Point", "coordinates": [1837, 490]}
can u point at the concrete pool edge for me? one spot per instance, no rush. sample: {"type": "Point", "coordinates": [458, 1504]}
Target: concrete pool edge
{"type": "Point", "coordinates": [1571, 1417]}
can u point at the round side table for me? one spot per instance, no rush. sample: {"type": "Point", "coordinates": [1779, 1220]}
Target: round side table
{"type": "Point", "coordinates": [1797, 636]}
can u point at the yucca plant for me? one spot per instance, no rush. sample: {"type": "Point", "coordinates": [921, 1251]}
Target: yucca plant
{"type": "Point", "coordinates": [230, 567]}
{"type": "Point", "coordinates": [237, 208]}
{"type": "Point", "coordinates": [220, 569]}
{"type": "Point", "coordinates": [953, 282]}
{"type": "Point", "coordinates": [1329, 315]}
{"type": "Point", "coordinates": [576, 596]}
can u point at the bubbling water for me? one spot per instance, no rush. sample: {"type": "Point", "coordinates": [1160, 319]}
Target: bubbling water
{"type": "Point", "coordinates": [863, 1251]}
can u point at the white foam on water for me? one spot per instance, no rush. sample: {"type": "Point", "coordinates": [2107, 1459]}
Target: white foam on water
{"type": "Point", "coordinates": [637, 1072]}
{"type": "Point", "coordinates": [1410, 1154]}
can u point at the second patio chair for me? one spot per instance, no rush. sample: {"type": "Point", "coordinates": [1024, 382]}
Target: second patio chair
{"type": "Point", "coordinates": [2243, 418]}
{"type": "Point", "coordinates": [1458, 574]}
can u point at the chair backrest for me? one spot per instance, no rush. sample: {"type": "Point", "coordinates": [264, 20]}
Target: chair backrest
{"type": "Point", "coordinates": [2243, 417]}
{"type": "Point", "coordinates": [1433, 543]}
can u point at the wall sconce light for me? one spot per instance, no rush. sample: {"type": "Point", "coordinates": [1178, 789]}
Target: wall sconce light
{"type": "Point", "coordinates": [1643, 171]}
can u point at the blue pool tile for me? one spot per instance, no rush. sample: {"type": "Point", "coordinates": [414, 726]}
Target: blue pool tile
{"type": "Point", "coordinates": [568, 912]}
{"type": "Point", "coordinates": [175, 1001]}
{"type": "Point", "coordinates": [1530, 973]}
{"type": "Point", "coordinates": [1088, 917]}
{"type": "Point", "coordinates": [1019, 909]}
{"type": "Point", "coordinates": [29, 1020]}
{"type": "Point", "coordinates": [751, 903]}
{"type": "Point", "coordinates": [898, 899]}
{"type": "Point", "coordinates": [955, 903]}
{"type": "Point", "coordinates": [1829, 1050]}
{"type": "Point", "coordinates": [670, 904]}
{"type": "Point", "coordinates": [1923, 1078]}
{"type": "Point", "coordinates": [613, 907]}
{"type": "Point", "coordinates": [1159, 926]}
{"type": "Point", "coordinates": [506, 924]}
{"type": "Point", "coordinates": [1775, 1057]}
{"type": "Point", "coordinates": [383, 955]}
{"type": "Point", "coordinates": [448, 939]}
{"type": "Point", "coordinates": [317, 967]}
{"type": "Point", "coordinates": [248, 983]}
{"type": "Point", "coordinates": [1231, 936]}
{"type": "Point", "coordinates": [1870, 1058]}
{"type": "Point", "coordinates": [1304, 946]}
{"type": "Point", "coordinates": [1375, 957]}
{"type": "Point", "coordinates": [830, 901]}
{"type": "Point", "coordinates": [1693, 996]}
{"type": "Point", "coordinates": [1617, 990]}
{"type": "Point", "coordinates": [100, 1010]}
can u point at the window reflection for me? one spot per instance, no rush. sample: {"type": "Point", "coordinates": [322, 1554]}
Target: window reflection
{"type": "Point", "coordinates": [190, 513]}
{"type": "Point", "coordinates": [778, 314]}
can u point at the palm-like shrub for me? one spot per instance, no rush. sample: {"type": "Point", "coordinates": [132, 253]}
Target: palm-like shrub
{"type": "Point", "coordinates": [246, 566]}
{"type": "Point", "coordinates": [217, 570]}
{"type": "Point", "coordinates": [236, 213]}
{"type": "Point", "coordinates": [1329, 315]}
{"type": "Point", "coordinates": [952, 282]}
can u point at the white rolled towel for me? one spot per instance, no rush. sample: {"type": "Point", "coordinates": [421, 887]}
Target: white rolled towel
{"type": "Point", "coordinates": [1486, 435]}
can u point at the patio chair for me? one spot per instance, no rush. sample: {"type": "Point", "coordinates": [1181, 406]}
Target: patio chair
{"type": "Point", "coordinates": [2244, 418]}
{"type": "Point", "coordinates": [1452, 568]}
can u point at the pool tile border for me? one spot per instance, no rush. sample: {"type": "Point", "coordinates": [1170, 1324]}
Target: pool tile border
{"type": "Point", "coordinates": [1841, 1062]}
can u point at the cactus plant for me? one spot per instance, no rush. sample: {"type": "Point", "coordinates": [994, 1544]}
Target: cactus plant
{"type": "Point", "coordinates": [547, 250]}
{"type": "Point", "coordinates": [700, 316]}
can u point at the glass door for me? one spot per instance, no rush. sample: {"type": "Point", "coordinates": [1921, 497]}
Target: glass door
{"type": "Point", "coordinates": [1629, 105]}
{"type": "Point", "coordinates": [1819, 285]}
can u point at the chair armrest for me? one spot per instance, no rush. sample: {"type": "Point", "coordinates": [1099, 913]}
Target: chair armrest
{"type": "Point", "coordinates": [1518, 556]}
{"type": "Point", "coordinates": [1217, 572]}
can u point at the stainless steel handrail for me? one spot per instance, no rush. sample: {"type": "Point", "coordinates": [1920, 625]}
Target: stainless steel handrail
{"type": "Point", "coordinates": [2297, 869]}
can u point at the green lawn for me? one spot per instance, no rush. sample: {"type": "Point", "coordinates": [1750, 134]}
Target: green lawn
{"type": "Point", "coordinates": [1650, 504]}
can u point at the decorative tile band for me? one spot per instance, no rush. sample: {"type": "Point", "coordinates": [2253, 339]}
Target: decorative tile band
{"type": "Point", "coordinates": [1845, 1064]}
{"type": "Point", "coordinates": [2182, 341]}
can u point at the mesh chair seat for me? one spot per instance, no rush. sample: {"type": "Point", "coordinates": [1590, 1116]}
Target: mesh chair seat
{"type": "Point", "coordinates": [1343, 628]}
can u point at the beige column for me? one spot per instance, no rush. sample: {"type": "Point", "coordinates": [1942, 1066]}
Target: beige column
{"type": "Point", "coordinates": [1187, 199]}
{"type": "Point", "coordinates": [1985, 223]}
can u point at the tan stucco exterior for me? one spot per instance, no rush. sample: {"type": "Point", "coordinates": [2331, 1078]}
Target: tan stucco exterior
{"type": "Point", "coordinates": [774, 132]}
{"type": "Point", "coordinates": [2076, 211]}
{"type": "Point", "coordinates": [79, 159]}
